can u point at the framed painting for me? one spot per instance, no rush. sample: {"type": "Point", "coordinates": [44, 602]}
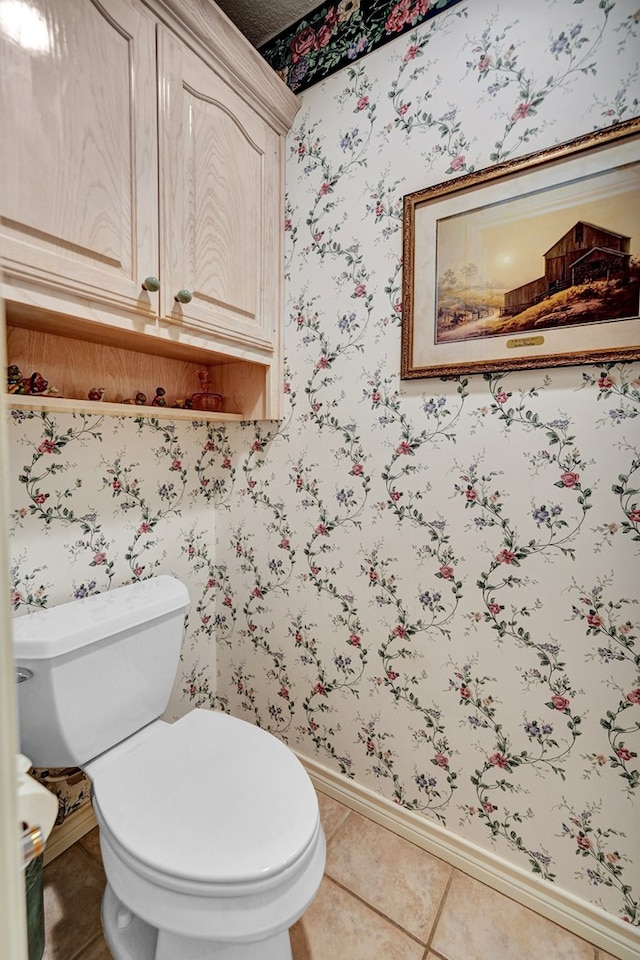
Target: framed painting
{"type": "Point", "coordinates": [530, 263]}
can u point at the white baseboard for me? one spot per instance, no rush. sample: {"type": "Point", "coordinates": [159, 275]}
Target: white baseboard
{"type": "Point", "coordinates": [568, 911]}
{"type": "Point", "coordinates": [73, 827]}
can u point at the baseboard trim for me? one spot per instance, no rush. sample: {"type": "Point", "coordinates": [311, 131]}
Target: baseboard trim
{"type": "Point", "coordinates": [568, 911]}
{"type": "Point", "coordinates": [73, 827]}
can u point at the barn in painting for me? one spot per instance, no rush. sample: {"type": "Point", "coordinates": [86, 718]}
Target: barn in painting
{"type": "Point", "coordinates": [585, 253]}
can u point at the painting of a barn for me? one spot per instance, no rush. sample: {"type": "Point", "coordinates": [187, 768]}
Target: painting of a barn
{"type": "Point", "coordinates": [584, 254]}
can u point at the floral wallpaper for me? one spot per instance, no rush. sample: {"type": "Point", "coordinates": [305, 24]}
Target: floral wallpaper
{"type": "Point", "coordinates": [99, 501]}
{"type": "Point", "coordinates": [434, 583]}
{"type": "Point", "coordinates": [431, 586]}
{"type": "Point", "coordinates": [336, 34]}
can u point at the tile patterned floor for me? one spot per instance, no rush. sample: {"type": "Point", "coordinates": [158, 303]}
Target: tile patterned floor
{"type": "Point", "coordinates": [382, 898]}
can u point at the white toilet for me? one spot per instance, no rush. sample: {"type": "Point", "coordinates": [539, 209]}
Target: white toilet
{"type": "Point", "coordinates": [209, 827]}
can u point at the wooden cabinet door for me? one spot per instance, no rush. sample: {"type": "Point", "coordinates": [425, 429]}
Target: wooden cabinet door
{"type": "Point", "coordinates": [78, 153]}
{"type": "Point", "coordinates": [220, 205]}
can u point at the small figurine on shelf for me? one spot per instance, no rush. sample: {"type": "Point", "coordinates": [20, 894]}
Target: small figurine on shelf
{"type": "Point", "coordinates": [96, 393]}
{"type": "Point", "coordinates": [14, 379]}
{"type": "Point", "coordinates": [206, 399]}
{"type": "Point", "coordinates": [185, 404]}
{"type": "Point", "coordinates": [35, 384]}
{"type": "Point", "coordinates": [140, 399]}
{"type": "Point", "coordinates": [159, 399]}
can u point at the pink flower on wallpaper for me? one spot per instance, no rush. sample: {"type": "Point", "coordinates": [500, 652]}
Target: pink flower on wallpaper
{"type": "Point", "coordinates": [505, 556]}
{"type": "Point", "coordinates": [47, 446]}
{"type": "Point", "coordinates": [634, 695]}
{"type": "Point", "coordinates": [521, 111]}
{"type": "Point", "coordinates": [302, 44]}
{"type": "Point", "coordinates": [323, 36]}
{"type": "Point", "coordinates": [560, 703]}
{"type": "Point", "coordinates": [498, 760]}
{"type": "Point", "coordinates": [569, 479]}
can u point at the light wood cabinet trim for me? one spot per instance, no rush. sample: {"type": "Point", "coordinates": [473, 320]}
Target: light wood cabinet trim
{"type": "Point", "coordinates": [57, 406]}
{"type": "Point", "coordinates": [232, 57]}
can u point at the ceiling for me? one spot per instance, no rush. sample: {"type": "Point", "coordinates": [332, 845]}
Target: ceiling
{"type": "Point", "coordinates": [260, 20]}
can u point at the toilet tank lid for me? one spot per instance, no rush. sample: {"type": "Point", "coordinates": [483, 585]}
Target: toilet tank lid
{"type": "Point", "coordinates": [54, 631]}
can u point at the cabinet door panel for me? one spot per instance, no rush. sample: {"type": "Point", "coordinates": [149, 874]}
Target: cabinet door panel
{"type": "Point", "coordinates": [80, 102]}
{"type": "Point", "coordinates": [220, 204]}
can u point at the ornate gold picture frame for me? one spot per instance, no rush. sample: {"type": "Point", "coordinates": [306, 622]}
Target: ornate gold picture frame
{"type": "Point", "coordinates": [531, 263]}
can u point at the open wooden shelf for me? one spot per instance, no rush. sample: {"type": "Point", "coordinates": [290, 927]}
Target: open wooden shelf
{"type": "Point", "coordinates": [64, 405]}
{"type": "Point", "coordinates": [75, 366]}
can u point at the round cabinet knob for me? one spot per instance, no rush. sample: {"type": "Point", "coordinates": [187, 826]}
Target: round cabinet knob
{"type": "Point", "coordinates": [152, 284]}
{"type": "Point", "coordinates": [183, 296]}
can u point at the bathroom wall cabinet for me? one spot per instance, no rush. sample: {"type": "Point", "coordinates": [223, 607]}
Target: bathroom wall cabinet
{"type": "Point", "coordinates": [141, 220]}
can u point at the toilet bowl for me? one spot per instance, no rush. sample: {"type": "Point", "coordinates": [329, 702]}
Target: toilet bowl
{"type": "Point", "coordinates": [209, 831]}
{"type": "Point", "coordinates": [209, 826]}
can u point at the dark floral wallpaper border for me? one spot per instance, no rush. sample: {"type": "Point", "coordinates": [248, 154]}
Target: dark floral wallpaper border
{"type": "Point", "coordinates": [334, 35]}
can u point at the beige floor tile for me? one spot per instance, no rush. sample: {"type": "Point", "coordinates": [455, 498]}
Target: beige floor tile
{"type": "Point", "coordinates": [332, 814]}
{"type": "Point", "coordinates": [337, 926]}
{"type": "Point", "coordinates": [478, 923]}
{"type": "Point", "coordinates": [396, 877]}
{"type": "Point", "coordinates": [73, 887]}
{"type": "Point", "coordinates": [91, 843]}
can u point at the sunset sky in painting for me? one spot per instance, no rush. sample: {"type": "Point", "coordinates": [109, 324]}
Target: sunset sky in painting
{"type": "Point", "coordinates": [507, 240]}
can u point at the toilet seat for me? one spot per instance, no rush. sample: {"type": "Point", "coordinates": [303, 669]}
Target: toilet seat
{"type": "Point", "coordinates": [187, 854]}
{"type": "Point", "coordinates": [167, 803]}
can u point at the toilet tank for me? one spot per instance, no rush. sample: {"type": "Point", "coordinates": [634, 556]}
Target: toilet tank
{"type": "Point", "coordinates": [94, 671]}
